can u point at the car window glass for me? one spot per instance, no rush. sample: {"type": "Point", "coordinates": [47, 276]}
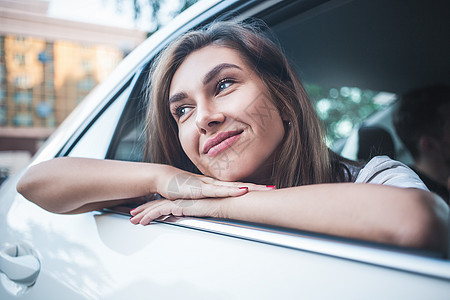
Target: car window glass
{"type": "Point", "coordinates": [101, 131]}
{"type": "Point", "coordinates": [128, 142]}
{"type": "Point", "coordinates": [131, 145]}
{"type": "Point", "coordinates": [343, 108]}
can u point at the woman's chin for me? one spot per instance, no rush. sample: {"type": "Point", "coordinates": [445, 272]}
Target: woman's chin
{"type": "Point", "coordinates": [230, 176]}
{"type": "Point", "coordinates": [238, 174]}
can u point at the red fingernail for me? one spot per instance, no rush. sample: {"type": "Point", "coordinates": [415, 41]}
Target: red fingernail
{"type": "Point", "coordinates": [271, 186]}
{"type": "Point", "coordinates": [243, 188]}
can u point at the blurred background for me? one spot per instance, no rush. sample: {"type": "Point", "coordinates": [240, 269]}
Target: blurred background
{"type": "Point", "coordinates": [53, 53]}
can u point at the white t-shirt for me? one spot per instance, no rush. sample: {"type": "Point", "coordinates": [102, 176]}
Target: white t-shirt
{"type": "Point", "coordinates": [383, 170]}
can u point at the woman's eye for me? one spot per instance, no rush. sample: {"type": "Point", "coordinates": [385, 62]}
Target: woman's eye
{"type": "Point", "coordinates": [223, 84]}
{"type": "Point", "coordinates": [181, 110]}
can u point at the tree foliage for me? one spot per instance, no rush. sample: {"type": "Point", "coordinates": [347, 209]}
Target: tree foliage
{"type": "Point", "coordinates": [155, 7]}
{"type": "Point", "coordinates": [340, 109]}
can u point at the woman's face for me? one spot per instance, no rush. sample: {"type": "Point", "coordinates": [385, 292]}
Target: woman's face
{"type": "Point", "coordinates": [227, 125]}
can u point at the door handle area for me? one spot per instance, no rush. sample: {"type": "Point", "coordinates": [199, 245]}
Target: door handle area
{"type": "Point", "coordinates": [18, 267]}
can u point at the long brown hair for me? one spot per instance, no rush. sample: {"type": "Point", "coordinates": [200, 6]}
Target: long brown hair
{"type": "Point", "coordinates": [302, 158]}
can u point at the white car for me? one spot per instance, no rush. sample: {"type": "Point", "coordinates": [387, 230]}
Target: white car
{"type": "Point", "coordinates": [383, 45]}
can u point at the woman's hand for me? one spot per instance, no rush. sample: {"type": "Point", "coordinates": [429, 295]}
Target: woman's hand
{"type": "Point", "coordinates": [210, 207]}
{"type": "Point", "coordinates": [188, 194]}
{"type": "Point", "coordinates": [174, 183]}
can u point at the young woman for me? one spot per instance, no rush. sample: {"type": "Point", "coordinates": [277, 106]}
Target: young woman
{"type": "Point", "coordinates": [232, 134]}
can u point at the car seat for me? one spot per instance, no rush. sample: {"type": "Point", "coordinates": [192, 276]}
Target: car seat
{"type": "Point", "coordinates": [373, 141]}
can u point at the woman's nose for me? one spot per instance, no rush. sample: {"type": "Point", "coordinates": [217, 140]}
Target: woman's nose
{"type": "Point", "coordinates": [208, 118]}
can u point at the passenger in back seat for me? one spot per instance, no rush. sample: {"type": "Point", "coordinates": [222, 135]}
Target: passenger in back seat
{"type": "Point", "coordinates": [422, 121]}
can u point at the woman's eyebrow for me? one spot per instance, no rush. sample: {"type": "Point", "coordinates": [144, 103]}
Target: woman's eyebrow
{"type": "Point", "coordinates": [216, 70]}
{"type": "Point", "coordinates": [206, 79]}
{"type": "Point", "coordinates": [177, 97]}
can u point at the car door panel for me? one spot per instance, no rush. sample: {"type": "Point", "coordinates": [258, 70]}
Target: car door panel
{"type": "Point", "coordinates": [103, 256]}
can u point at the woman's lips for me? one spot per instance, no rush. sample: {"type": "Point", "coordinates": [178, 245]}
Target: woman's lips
{"type": "Point", "coordinates": [220, 142]}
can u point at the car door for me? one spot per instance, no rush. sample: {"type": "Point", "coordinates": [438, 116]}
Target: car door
{"type": "Point", "coordinates": [61, 246]}
{"type": "Point", "coordinates": [101, 255]}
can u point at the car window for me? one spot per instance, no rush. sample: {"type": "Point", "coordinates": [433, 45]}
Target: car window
{"type": "Point", "coordinates": [128, 142]}
{"type": "Point", "coordinates": [349, 72]}
{"type": "Point", "coordinates": [343, 108]}
{"type": "Point", "coordinates": [100, 132]}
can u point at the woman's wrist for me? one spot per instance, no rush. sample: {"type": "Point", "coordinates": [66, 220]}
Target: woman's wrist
{"type": "Point", "coordinates": [165, 182]}
{"type": "Point", "coordinates": [157, 178]}
{"type": "Point", "coordinates": [230, 207]}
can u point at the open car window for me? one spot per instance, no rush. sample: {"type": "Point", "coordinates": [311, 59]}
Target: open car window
{"type": "Point", "coordinates": [353, 57]}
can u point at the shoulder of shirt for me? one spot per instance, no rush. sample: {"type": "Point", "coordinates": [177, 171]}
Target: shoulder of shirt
{"type": "Point", "coordinates": [376, 164]}
{"type": "Point", "coordinates": [384, 170]}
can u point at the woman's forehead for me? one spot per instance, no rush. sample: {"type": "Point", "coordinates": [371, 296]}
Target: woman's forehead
{"type": "Point", "coordinates": [199, 63]}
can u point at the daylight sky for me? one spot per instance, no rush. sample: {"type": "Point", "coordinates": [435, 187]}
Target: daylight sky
{"type": "Point", "coordinates": [105, 12]}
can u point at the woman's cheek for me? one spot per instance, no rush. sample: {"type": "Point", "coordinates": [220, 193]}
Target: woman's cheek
{"type": "Point", "coordinates": [189, 140]}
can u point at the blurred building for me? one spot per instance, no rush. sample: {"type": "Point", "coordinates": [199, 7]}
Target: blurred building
{"type": "Point", "coordinates": [47, 66]}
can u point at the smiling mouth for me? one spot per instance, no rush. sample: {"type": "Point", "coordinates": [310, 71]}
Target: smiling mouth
{"type": "Point", "coordinates": [221, 142]}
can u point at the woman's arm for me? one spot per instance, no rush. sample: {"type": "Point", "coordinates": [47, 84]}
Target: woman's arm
{"type": "Point", "coordinates": [75, 185]}
{"type": "Point", "coordinates": [404, 217]}
{"type": "Point", "coordinates": [64, 185]}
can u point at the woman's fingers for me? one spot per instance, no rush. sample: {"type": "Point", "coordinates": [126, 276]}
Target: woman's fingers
{"type": "Point", "coordinates": [250, 186]}
{"type": "Point", "coordinates": [191, 186]}
{"type": "Point", "coordinates": [178, 184]}
{"type": "Point", "coordinates": [220, 191]}
{"type": "Point", "coordinates": [150, 211]}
